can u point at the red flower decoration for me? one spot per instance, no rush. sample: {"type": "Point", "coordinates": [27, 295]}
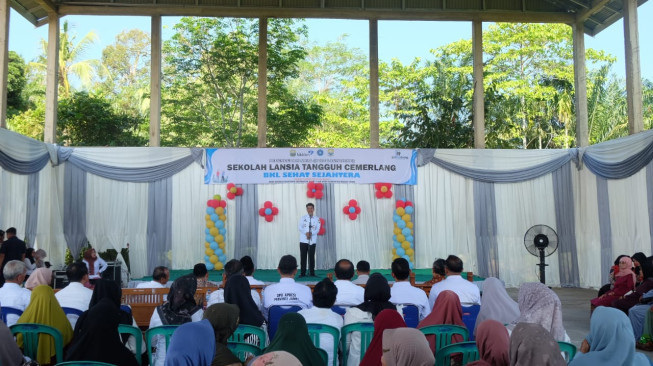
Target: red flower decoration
{"type": "Point", "coordinates": [352, 209]}
{"type": "Point", "coordinates": [383, 190]}
{"type": "Point", "coordinates": [233, 191]}
{"type": "Point", "coordinates": [322, 227]}
{"type": "Point", "coordinates": [268, 211]}
{"type": "Point", "coordinates": [314, 190]}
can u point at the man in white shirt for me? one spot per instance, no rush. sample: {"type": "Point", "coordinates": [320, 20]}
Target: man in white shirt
{"type": "Point", "coordinates": [287, 291]}
{"type": "Point", "coordinates": [309, 226]}
{"type": "Point", "coordinates": [324, 296]}
{"type": "Point", "coordinates": [363, 272]}
{"type": "Point", "coordinates": [11, 293]}
{"type": "Point", "coordinates": [232, 267]}
{"type": "Point", "coordinates": [402, 292]}
{"type": "Point", "coordinates": [160, 277]}
{"type": "Point", "coordinates": [468, 292]}
{"type": "Point", "coordinates": [75, 295]}
{"type": "Point", "coordinates": [248, 270]}
{"type": "Point", "coordinates": [349, 294]}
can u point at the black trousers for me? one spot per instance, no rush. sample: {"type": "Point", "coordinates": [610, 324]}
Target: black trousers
{"type": "Point", "coordinates": [304, 250]}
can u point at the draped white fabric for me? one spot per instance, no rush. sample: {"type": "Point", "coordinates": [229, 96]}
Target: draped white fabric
{"type": "Point", "coordinates": [490, 159]}
{"type": "Point", "coordinates": [20, 147]}
{"type": "Point", "coordinates": [13, 200]}
{"type": "Point", "coordinates": [619, 149]}
{"type": "Point", "coordinates": [49, 236]}
{"type": "Point", "coordinates": [588, 237]}
{"type": "Point", "coordinates": [131, 157]}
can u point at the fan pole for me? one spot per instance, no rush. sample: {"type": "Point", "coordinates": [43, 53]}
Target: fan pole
{"type": "Point", "coordinates": [542, 265]}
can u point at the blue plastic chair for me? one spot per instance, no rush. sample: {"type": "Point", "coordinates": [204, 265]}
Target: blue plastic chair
{"type": "Point", "coordinates": [137, 334]}
{"type": "Point", "coordinates": [164, 330]}
{"type": "Point", "coordinates": [31, 333]}
{"type": "Point", "coordinates": [243, 335]}
{"type": "Point", "coordinates": [469, 318]}
{"type": "Point", "coordinates": [411, 315]}
{"type": "Point", "coordinates": [275, 313]}
{"type": "Point", "coordinates": [72, 314]}
{"type": "Point", "coordinates": [243, 350]}
{"type": "Point", "coordinates": [315, 330]}
{"type": "Point", "coordinates": [339, 309]}
{"type": "Point", "coordinates": [366, 331]}
{"type": "Point", "coordinates": [6, 310]}
{"type": "Point", "coordinates": [84, 363]}
{"type": "Point", "coordinates": [467, 350]}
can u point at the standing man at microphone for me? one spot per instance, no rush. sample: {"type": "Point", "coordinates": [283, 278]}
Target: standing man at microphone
{"type": "Point", "coordinates": [309, 226]}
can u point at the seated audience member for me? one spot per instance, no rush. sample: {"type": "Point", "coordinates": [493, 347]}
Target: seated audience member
{"type": "Point", "coordinates": [75, 295]}
{"type": "Point", "coordinates": [324, 296]}
{"type": "Point", "coordinates": [348, 293]}
{"type": "Point", "coordinates": [446, 310]}
{"type": "Point", "coordinates": [96, 336]}
{"type": "Point", "coordinates": [538, 304]}
{"type": "Point", "coordinates": [287, 291]}
{"type": "Point", "coordinates": [180, 308]}
{"type": "Point", "coordinates": [44, 309]}
{"type": "Point", "coordinates": [610, 341]}
{"type": "Point", "coordinates": [40, 276]}
{"type": "Point", "coordinates": [201, 274]}
{"type": "Point", "coordinates": [376, 296]}
{"type": "Point", "coordinates": [530, 345]}
{"type": "Point", "coordinates": [10, 354]}
{"type": "Point", "coordinates": [613, 270]}
{"type": "Point", "coordinates": [638, 258]}
{"type": "Point", "coordinates": [95, 264]}
{"type": "Point", "coordinates": [237, 292]}
{"type": "Point", "coordinates": [11, 293]}
{"type": "Point", "coordinates": [276, 358]}
{"type": "Point", "coordinates": [292, 337]}
{"type": "Point", "coordinates": [232, 268]}
{"type": "Point", "coordinates": [497, 304]}
{"type": "Point", "coordinates": [248, 270]}
{"type": "Point", "coordinates": [624, 282]}
{"type": "Point", "coordinates": [493, 343]}
{"type": "Point", "coordinates": [637, 315]}
{"type": "Point", "coordinates": [438, 272]}
{"type": "Point", "coordinates": [363, 272]}
{"type": "Point", "coordinates": [403, 292]}
{"type": "Point", "coordinates": [39, 256]}
{"type": "Point", "coordinates": [387, 319]}
{"type": "Point", "coordinates": [467, 292]}
{"type": "Point", "coordinates": [30, 263]}
{"type": "Point", "coordinates": [160, 277]}
{"type": "Point", "coordinates": [405, 347]}
{"type": "Point", "coordinates": [629, 300]}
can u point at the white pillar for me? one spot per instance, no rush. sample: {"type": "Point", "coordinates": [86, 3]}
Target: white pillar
{"type": "Point", "coordinates": [633, 72]}
{"type": "Point", "coordinates": [262, 81]}
{"type": "Point", "coordinates": [52, 80]}
{"type": "Point", "coordinates": [580, 85]}
{"type": "Point", "coordinates": [4, 60]}
{"type": "Point", "coordinates": [155, 82]}
{"type": "Point", "coordinates": [478, 102]}
{"type": "Point", "coordinates": [374, 83]}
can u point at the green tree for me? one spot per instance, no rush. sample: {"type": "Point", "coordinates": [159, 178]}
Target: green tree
{"type": "Point", "coordinates": [16, 81]}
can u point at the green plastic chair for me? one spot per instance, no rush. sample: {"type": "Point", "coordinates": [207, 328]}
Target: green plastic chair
{"type": "Point", "coordinates": [443, 334]}
{"type": "Point", "coordinates": [164, 330]}
{"type": "Point", "coordinates": [243, 350]}
{"type": "Point", "coordinates": [84, 363]}
{"type": "Point", "coordinates": [137, 334]}
{"type": "Point", "coordinates": [31, 333]}
{"type": "Point", "coordinates": [314, 331]}
{"type": "Point", "coordinates": [325, 356]}
{"type": "Point", "coordinates": [569, 350]}
{"type": "Point", "coordinates": [366, 330]}
{"type": "Point", "coordinates": [243, 333]}
{"type": "Point", "coordinates": [468, 350]}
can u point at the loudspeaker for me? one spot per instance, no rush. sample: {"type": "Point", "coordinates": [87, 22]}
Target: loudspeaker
{"type": "Point", "coordinates": [113, 272]}
{"type": "Point", "coordinates": [60, 279]}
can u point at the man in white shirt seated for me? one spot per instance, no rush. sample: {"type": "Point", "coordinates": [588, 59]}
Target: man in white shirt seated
{"type": "Point", "coordinates": [248, 270]}
{"type": "Point", "coordinates": [363, 272]}
{"type": "Point", "coordinates": [287, 291]}
{"type": "Point", "coordinates": [468, 292]}
{"type": "Point", "coordinates": [324, 296]}
{"type": "Point", "coordinates": [232, 267]}
{"type": "Point", "coordinates": [75, 295]}
{"type": "Point", "coordinates": [402, 292]}
{"type": "Point", "coordinates": [349, 294]}
{"type": "Point", "coordinates": [160, 277]}
{"type": "Point", "coordinates": [11, 293]}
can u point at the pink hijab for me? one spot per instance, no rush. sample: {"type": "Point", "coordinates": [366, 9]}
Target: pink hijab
{"type": "Point", "coordinates": [626, 268]}
{"type": "Point", "coordinates": [446, 310]}
{"type": "Point", "coordinates": [493, 344]}
{"type": "Point", "coordinates": [40, 276]}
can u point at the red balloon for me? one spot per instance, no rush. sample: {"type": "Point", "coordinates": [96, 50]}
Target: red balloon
{"type": "Point", "coordinates": [275, 210]}
{"type": "Point", "coordinates": [378, 185]}
{"type": "Point", "coordinates": [322, 222]}
{"type": "Point", "coordinates": [379, 194]}
{"type": "Point", "coordinates": [229, 186]}
{"type": "Point", "coordinates": [318, 194]}
{"type": "Point", "coordinates": [310, 194]}
{"type": "Point", "coordinates": [322, 227]}
{"type": "Point", "coordinates": [319, 186]}
{"type": "Point", "coordinates": [261, 211]}
{"type": "Point", "coordinates": [269, 218]}
{"type": "Point", "coordinates": [267, 204]}
{"type": "Point", "coordinates": [222, 203]}
{"type": "Point", "coordinates": [409, 203]}
{"type": "Point", "coordinates": [239, 191]}
{"type": "Point", "coordinates": [353, 203]}
{"type": "Point", "coordinates": [310, 185]}
{"type": "Point", "coordinates": [358, 210]}
{"type": "Point", "coordinates": [401, 203]}
{"type": "Point", "coordinates": [345, 210]}
{"type": "Point", "coordinates": [213, 203]}
{"type": "Point", "coordinates": [388, 194]}
{"type": "Point", "coordinates": [231, 195]}
{"type": "Point", "coordinates": [352, 216]}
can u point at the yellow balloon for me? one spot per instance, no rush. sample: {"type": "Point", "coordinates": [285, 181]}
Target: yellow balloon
{"type": "Point", "coordinates": [219, 266]}
{"type": "Point", "coordinates": [409, 225]}
{"type": "Point", "coordinates": [400, 211]}
{"type": "Point", "coordinates": [401, 238]}
{"type": "Point", "coordinates": [396, 230]}
{"type": "Point", "coordinates": [221, 245]}
{"type": "Point", "coordinates": [395, 257]}
{"type": "Point", "coordinates": [217, 197]}
{"type": "Point", "coordinates": [208, 251]}
{"type": "Point", "coordinates": [207, 217]}
{"type": "Point", "coordinates": [207, 244]}
{"type": "Point", "coordinates": [219, 238]}
{"type": "Point", "coordinates": [210, 224]}
{"type": "Point", "coordinates": [233, 190]}
{"type": "Point", "coordinates": [222, 218]}
{"type": "Point", "coordinates": [405, 245]}
{"type": "Point", "coordinates": [410, 252]}
{"type": "Point", "coordinates": [214, 259]}
{"type": "Point", "coordinates": [214, 231]}
{"type": "Point", "coordinates": [406, 217]}
{"type": "Point", "coordinates": [394, 251]}
{"type": "Point", "coordinates": [219, 210]}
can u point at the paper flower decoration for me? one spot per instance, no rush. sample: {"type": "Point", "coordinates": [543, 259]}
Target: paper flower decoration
{"type": "Point", "coordinates": [268, 211]}
{"type": "Point", "coordinates": [322, 227]}
{"type": "Point", "coordinates": [352, 209]}
{"type": "Point", "coordinates": [233, 191]}
{"type": "Point", "coordinates": [314, 190]}
{"type": "Point", "coordinates": [383, 190]}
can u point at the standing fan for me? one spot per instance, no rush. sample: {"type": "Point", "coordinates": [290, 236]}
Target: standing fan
{"type": "Point", "coordinates": [541, 241]}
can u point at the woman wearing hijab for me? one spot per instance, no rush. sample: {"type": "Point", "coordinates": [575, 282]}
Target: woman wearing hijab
{"type": "Point", "coordinates": [10, 354]}
{"type": "Point", "coordinates": [95, 264]}
{"type": "Point", "coordinates": [446, 310]}
{"type": "Point", "coordinates": [538, 304]}
{"type": "Point", "coordinates": [387, 319]}
{"type": "Point", "coordinates": [530, 345]}
{"type": "Point", "coordinates": [224, 320]}
{"type": "Point", "coordinates": [30, 263]}
{"type": "Point", "coordinates": [238, 292]}
{"type": "Point", "coordinates": [180, 308]}
{"type": "Point", "coordinates": [107, 289]}
{"type": "Point", "coordinates": [493, 343]}
{"type": "Point", "coordinates": [376, 298]}
{"type": "Point", "coordinates": [624, 282]}
{"type": "Point", "coordinates": [638, 259]}
{"type": "Point", "coordinates": [496, 303]}
{"type": "Point", "coordinates": [44, 309]}
{"type": "Point", "coordinates": [292, 337]}
{"type": "Point", "coordinates": [405, 347]}
{"type": "Point", "coordinates": [40, 276]}
{"type": "Point", "coordinates": [632, 299]}
{"type": "Point", "coordinates": [96, 336]}
{"type": "Point", "coordinates": [610, 341]}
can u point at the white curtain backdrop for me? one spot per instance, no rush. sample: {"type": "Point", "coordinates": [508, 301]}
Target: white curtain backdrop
{"type": "Point", "coordinates": [49, 236]}
{"type": "Point", "coordinates": [13, 200]}
{"type": "Point", "coordinates": [588, 235]}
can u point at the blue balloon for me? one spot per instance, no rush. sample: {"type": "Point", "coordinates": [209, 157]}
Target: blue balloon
{"type": "Point", "coordinates": [400, 251]}
{"type": "Point", "coordinates": [209, 238]}
{"type": "Point", "coordinates": [207, 258]}
{"type": "Point", "coordinates": [219, 224]}
{"type": "Point", "coordinates": [396, 244]}
{"type": "Point", "coordinates": [223, 258]}
{"type": "Point", "coordinates": [215, 217]}
{"type": "Point", "coordinates": [409, 210]}
{"type": "Point", "coordinates": [209, 266]}
{"type": "Point", "coordinates": [352, 209]}
{"type": "Point", "coordinates": [406, 231]}
{"type": "Point", "coordinates": [401, 224]}
{"type": "Point", "coordinates": [406, 257]}
{"type": "Point", "coordinates": [396, 218]}
{"type": "Point", "coordinates": [218, 252]}
{"type": "Point", "coordinates": [222, 231]}
{"type": "Point", "coordinates": [207, 231]}
{"type": "Point", "coordinates": [268, 211]}
{"type": "Point", "coordinates": [394, 237]}
{"type": "Point", "coordinates": [210, 210]}
{"type": "Point", "coordinates": [410, 265]}
{"type": "Point", "coordinates": [410, 239]}
{"type": "Point", "coordinates": [214, 245]}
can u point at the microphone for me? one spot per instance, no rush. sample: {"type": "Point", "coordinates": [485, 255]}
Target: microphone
{"type": "Point", "coordinates": [310, 226]}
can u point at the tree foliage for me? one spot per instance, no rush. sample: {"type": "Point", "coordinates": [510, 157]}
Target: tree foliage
{"type": "Point", "coordinates": [16, 81]}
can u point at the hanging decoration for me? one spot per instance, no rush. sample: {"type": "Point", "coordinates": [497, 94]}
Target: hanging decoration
{"type": "Point", "coordinates": [314, 190]}
{"type": "Point", "coordinates": [322, 227]}
{"type": "Point", "coordinates": [403, 240]}
{"type": "Point", "coordinates": [233, 191]}
{"type": "Point", "coordinates": [216, 233]}
{"type": "Point", "coordinates": [268, 211]}
{"type": "Point", "coordinates": [352, 209]}
{"type": "Point", "coordinates": [383, 190]}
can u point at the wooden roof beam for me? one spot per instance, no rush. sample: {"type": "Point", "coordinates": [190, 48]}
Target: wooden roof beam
{"type": "Point", "coordinates": [593, 9]}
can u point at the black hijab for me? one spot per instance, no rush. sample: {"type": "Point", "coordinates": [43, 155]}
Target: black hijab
{"type": "Point", "coordinates": [181, 303]}
{"type": "Point", "coordinates": [376, 296]}
{"type": "Point", "coordinates": [238, 292]}
{"type": "Point", "coordinates": [96, 336]}
{"type": "Point", "coordinates": [107, 289]}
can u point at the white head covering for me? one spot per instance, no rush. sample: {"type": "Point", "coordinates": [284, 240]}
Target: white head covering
{"type": "Point", "coordinates": [538, 304]}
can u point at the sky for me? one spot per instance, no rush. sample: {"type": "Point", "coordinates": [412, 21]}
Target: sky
{"type": "Point", "coordinates": [403, 40]}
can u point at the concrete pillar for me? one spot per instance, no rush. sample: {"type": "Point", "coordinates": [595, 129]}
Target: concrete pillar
{"type": "Point", "coordinates": [52, 80]}
{"type": "Point", "coordinates": [478, 102]}
{"type": "Point", "coordinates": [4, 60]}
{"type": "Point", "coordinates": [633, 71]}
{"type": "Point", "coordinates": [155, 82]}
{"type": "Point", "coordinates": [580, 85]}
{"type": "Point", "coordinates": [374, 83]}
{"type": "Point", "coordinates": [262, 81]}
